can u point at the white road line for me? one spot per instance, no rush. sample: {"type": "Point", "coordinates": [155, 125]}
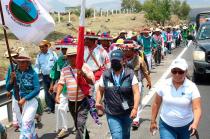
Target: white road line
{"type": "Point", "coordinates": [151, 93]}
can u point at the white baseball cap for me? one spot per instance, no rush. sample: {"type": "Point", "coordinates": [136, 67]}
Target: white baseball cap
{"type": "Point", "coordinates": [179, 63]}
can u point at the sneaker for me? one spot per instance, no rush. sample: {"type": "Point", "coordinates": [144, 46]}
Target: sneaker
{"type": "Point", "coordinates": [63, 133]}
{"type": "Point", "coordinates": [135, 125]}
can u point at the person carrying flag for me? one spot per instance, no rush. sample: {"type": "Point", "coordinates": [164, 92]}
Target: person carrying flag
{"type": "Point", "coordinates": [11, 94]}
{"type": "Point", "coordinates": [29, 87]}
{"type": "Point", "coordinates": [75, 91]}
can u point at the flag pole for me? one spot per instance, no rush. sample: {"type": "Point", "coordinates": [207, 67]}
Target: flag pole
{"type": "Point", "coordinates": [80, 51]}
{"type": "Point", "coordinates": [16, 89]}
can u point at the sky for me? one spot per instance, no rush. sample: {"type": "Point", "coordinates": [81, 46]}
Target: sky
{"type": "Point", "coordinates": [58, 5]}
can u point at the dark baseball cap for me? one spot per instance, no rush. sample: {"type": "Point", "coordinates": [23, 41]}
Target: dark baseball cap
{"type": "Point", "coordinates": [116, 55]}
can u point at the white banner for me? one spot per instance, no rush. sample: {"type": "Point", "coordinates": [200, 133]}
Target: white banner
{"type": "Point", "coordinates": [27, 20]}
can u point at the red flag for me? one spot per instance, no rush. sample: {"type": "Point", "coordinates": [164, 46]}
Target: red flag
{"type": "Point", "coordinates": [80, 49]}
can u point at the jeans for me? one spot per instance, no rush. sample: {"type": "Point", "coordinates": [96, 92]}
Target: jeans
{"type": "Point", "coordinates": [119, 126]}
{"type": "Point", "coordinates": [49, 99]}
{"type": "Point", "coordinates": [169, 132]}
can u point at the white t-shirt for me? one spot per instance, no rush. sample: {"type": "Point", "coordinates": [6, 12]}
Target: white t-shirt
{"type": "Point", "coordinates": [176, 108]}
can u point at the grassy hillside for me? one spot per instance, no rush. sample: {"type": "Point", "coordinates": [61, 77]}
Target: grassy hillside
{"type": "Point", "coordinates": [113, 23]}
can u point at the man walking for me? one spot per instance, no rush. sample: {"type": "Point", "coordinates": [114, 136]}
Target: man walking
{"type": "Point", "coordinates": [44, 63]}
{"type": "Point", "coordinates": [75, 92]}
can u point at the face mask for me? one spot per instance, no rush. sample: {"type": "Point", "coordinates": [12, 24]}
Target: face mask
{"type": "Point", "coordinates": [116, 65]}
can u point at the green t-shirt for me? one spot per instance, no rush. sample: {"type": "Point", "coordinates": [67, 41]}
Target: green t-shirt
{"type": "Point", "coordinates": [56, 71]}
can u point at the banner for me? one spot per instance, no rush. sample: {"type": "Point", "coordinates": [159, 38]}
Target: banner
{"type": "Point", "coordinates": [81, 43]}
{"type": "Point", "coordinates": [27, 20]}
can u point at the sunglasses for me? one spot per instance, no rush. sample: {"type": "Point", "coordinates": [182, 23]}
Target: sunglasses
{"type": "Point", "coordinates": [177, 71]}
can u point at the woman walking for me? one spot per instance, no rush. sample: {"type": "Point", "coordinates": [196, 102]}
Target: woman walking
{"type": "Point", "coordinates": [181, 105]}
{"type": "Point", "coordinates": [28, 83]}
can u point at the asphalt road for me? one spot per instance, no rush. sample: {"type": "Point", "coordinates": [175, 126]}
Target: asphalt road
{"type": "Point", "coordinates": [204, 88]}
{"type": "Point", "coordinates": [96, 132]}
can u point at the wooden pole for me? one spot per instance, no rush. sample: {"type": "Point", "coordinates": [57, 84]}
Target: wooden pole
{"type": "Point", "coordinates": [16, 88]}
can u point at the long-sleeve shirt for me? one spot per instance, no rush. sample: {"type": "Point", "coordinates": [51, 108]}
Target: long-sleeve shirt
{"type": "Point", "coordinates": [7, 76]}
{"type": "Point", "coordinates": [101, 56]}
{"type": "Point", "coordinates": [28, 83]}
{"type": "Point", "coordinates": [45, 62]}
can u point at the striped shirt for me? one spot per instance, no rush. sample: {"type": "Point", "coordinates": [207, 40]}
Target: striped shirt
{"type": "Point", "coordinates": [71, 83]}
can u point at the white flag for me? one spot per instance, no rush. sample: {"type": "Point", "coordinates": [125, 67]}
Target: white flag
{"type": "Point", "coordinates": [27, 20]}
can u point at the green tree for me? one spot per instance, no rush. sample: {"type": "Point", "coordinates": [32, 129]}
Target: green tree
{"type": "Point", "coordinates": [175, 6]}
{"type": "Point", "coordinates": [157, 10]}
{"type": "Point", "coordinates": [88, 12]}
{"type": "Point", "coordinates": [184, 10]}
{"type": "Point", "coordinates": [181, 9]}
{"type": "Point", "coordinates": [131, 4]}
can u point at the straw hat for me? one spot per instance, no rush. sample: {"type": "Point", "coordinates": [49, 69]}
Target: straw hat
{"type": "Point", "coordinates": [14, 52]}
{"type": "Point", "coordinates": [23, 56]}
{"type": "Point", "coordinates": [71, 51]}
{"type": "Point", "coordinates": [158, 30]}
{"type": "Point", "coordinates": [145, 30]}
{"type": "Point", "coordinates": [45, 43]}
